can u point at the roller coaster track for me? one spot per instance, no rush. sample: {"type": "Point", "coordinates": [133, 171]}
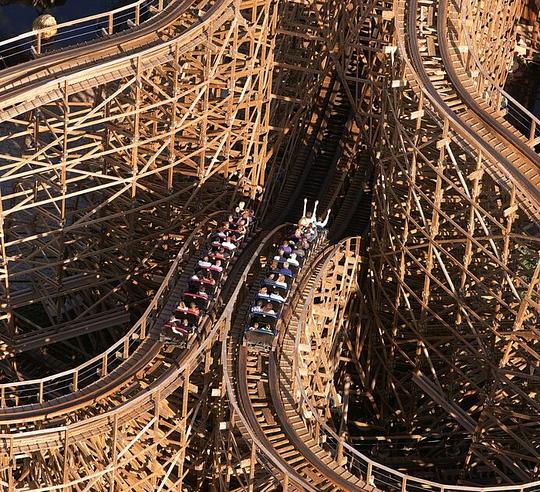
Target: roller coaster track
{"type": "Point", "coordinates": [432, 71]}
{"type": "Point", "coordinates": [259, 387]}
{"type": "Point", "coordinates": [91, 64]}
{"type": "Point", "coordinates": [32, 84]}
{"type": "Point", "coordinates": [69, 396]}
{"type": "Point", "coordinates": [152, 368]}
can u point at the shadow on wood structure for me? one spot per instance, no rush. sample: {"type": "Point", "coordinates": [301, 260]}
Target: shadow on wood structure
{"type": "Point", "coordinates": [408, 357]}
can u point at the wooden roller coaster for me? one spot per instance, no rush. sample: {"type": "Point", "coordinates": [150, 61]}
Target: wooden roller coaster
{"type": "Point", "coordinates": [405, 357]}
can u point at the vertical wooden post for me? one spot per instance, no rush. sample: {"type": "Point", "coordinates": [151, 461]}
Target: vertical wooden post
{"type": "Point", "coordinates": [114, 457]}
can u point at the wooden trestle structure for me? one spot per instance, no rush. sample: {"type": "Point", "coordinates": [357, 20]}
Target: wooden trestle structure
{"type": "Point", "coordinates": [408, 354]}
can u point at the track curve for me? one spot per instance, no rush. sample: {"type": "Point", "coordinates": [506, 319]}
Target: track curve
{"type": "Point", "coordinates": [511, 161]}
{"type": "Point", "coordinates": [108, 381]}
{"type": "Point", "coordinates": [168, 379]}
{"type": "Point", "coordinates": [41, 81]}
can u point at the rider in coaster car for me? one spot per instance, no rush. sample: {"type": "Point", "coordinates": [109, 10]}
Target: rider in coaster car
{"type": "Point", "coordinates": [204, 262]}
{"type": "Point", "coordinates": [270, 280]}
{"type": "Point", "coordinates": [286, 248]}
{"type": "Point", "coordinates": [309, 217]}
{"type": "Point", "coordinates": [263, 293]}
{"type": "Point", "coordinates": [276, 296]}
{"type": "Point", "coordinates": [285, 270]}
{"type": "Point", "coordinates": [292, 259]}
{"type": "Point", "coordinates": [311, 233]}
{"type": "Point", "coordinates": [258, 307]}
{"type": "Point", "coordinates": [228, 243]}
{"type": "Point", "coordinates": [216, 267]}
{"type": "Point", "coordinates": [321, 224]}
{"type": "Point", "coordinates": [281, 282]}
{"type": "Point", "coordinates": [268, 308]}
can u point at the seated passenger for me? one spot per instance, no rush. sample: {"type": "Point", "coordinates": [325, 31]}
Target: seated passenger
{"type": "Point", "coordinates": [228, 244]}
{"type": "Point", "coordinates": [297, 236]}
{"type": "Point", "coordinates": [202, 292]}
{"type": "Point", "coordinates": [266, 328]}
{"type": "Point", "coordinates": [249, 216]}
{"type": "Point", "coordinates": [285, 270]}
{"type": "Point", "coordinates": [280, 282]}
{"type": "Point", "coordinates": [311, 233]}
{"type": "Point", "coordinates": [187, 326]}
{"type": "Point", "coordinates": [182, 308]}
{"type": "Point", "coordinates": [179, 328]}
{"type": "Point", "coordinates": [305, 244]}
{"type": "Point", "coordinates": [235, 237]}
{"type": "Point", "coordinates": [268, 308]}
{"type": "Point", "coordinates": [232, 222]}
{"type": "Point", "coordinates": [216, 267]}
{"type": "Point", "coordinates": [275, 296]}
{"type": "Point", "coordinates": [274, 265]}
{"type": "Point", "coordinates": [292, 260]}
{"type": "Point", "coordinates": [321, 224]}
{"type": "Point", "coordinates": [240, 228]}
{"type": "Point", "coordinates": [194, 279]}
{"type": "Point", "coordinates": [280, 257]}
{"type": "Point", "coordinates": [258, 307]}
{"type": "Point", "coordinates": [219, 253]}
{"type": "Point", "coordinates": [299, 253]}
{"type": "Point", "coordinates": [204, 262]}
{"type": "Point", "coordinates": [199, 299]}
{"type": "Point", "coordinates": [193, 309]}
{"type": "Point", "coordinates": [219, 234]}
{"type": "Point", "coordinates": [286, 248]}
{"type": "Point", "coordinates": [207, 279]}
{"type": "Point", "coordinates": [270, 280]}
{"type": "Point", "coordinates": [263, 293]}
{"type": "Point", "coordinates": [254, 326]}
{"type": "Point", "coordinates": [309, 217]}
{"type": "Point", "coordinates": [174, 319]}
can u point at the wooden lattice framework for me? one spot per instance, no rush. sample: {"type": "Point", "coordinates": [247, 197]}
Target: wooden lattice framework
{"type": "Point", "coordinates": [100, 167]}
{"type": "Point", "coordinates": [95, 178]}
{"type": "Point", "coordinates": [325, 343]}
{"type": "Point", "coordinates": [449, 367]}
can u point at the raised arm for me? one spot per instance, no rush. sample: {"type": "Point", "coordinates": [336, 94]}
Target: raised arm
{"type": "Point", "coordinates": [323, 223]}
{"type": "Point", "coordinates": [314, 216]}
{"type": "Point", "coordinates": [305, 206]}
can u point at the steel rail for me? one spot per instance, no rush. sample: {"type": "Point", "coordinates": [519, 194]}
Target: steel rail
{"type": "Point", "coordinates": [500, 166]}
{"type": "Point", "coordinates": [376, 473]}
